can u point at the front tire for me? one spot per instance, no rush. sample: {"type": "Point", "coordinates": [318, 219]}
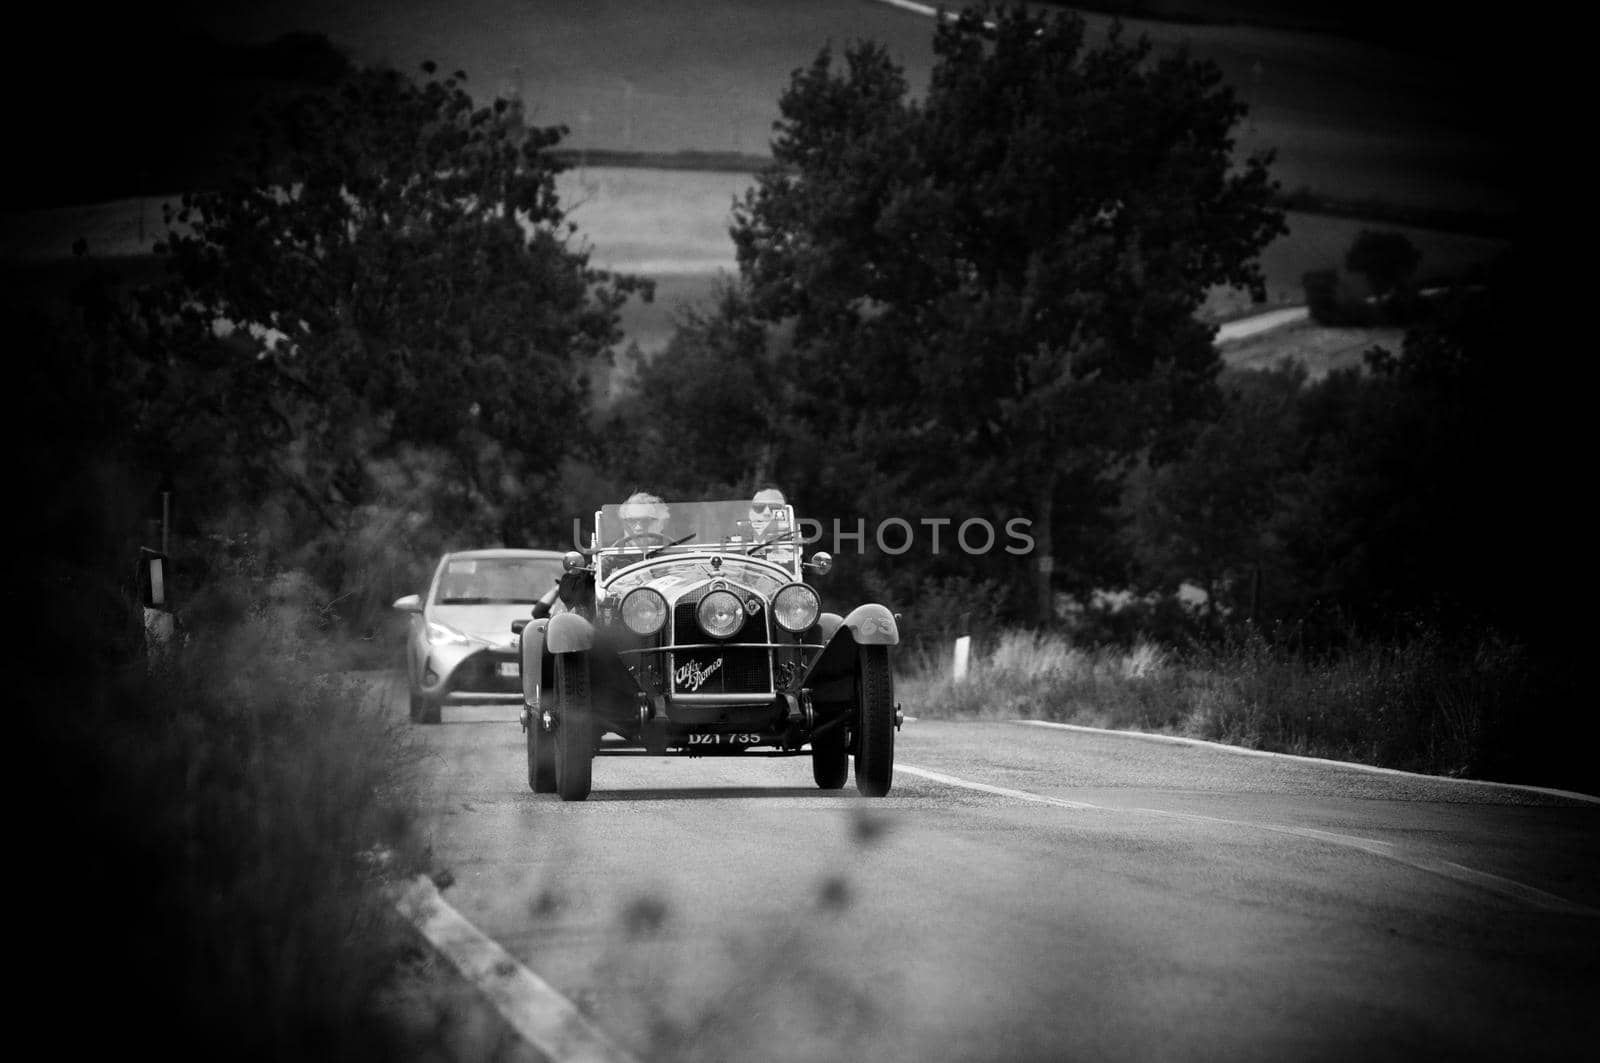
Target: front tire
{"type": "Point", "coordinates": [541, 757]}
{"type": "Point", "coordinates": [574, 753]}
{"type": "Point", "coordinates": [830, 760]}
{"type": "Point", "coordinates": [875, 738]}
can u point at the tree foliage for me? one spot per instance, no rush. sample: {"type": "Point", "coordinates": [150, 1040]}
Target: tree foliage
{"type": "Point", "coordinates": [1387, 259]}
{"type": "Point", "coordinates": [1207, 518]}
{"type": "Point", "coordinates": [720, 379]}
{"type": "Point", "coordinates": [1006, 271]}
{"type": "Point", "coordinates": [1369, 501]}
{"type": "Point", "coordinates": [378, 317]}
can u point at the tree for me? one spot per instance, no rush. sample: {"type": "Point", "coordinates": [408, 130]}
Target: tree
{"type": "Point", "coordinates": [385, 277]}
{"type": "Point", "coordinates": [1386, 259]}
{"type": "Point", "coordinates": [718, 380]}
{"type": "Point", "coordinates": [1007, 271]}
{"type": "Point", "coordinates": [1207, 518]}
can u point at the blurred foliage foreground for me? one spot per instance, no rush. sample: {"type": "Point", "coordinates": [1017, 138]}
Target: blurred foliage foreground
{"type": "Point", "coordinates": [216, 829]}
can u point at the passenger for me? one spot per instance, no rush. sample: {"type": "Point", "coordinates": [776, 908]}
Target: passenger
{"type": "Point", "coordinates": [769, 523]}
{"type": "Point", "coordinates": [767, 514]}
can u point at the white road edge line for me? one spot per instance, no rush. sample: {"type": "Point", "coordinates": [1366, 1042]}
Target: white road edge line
{"type": "Point", "coordinates": [543, 1017]}
{"type": "Point", "coordinates": [1021, 795]}
{"type": "Point", "coordinates": [1372, 768]}
{"type": "Point", "coordinates": [1388, 850]}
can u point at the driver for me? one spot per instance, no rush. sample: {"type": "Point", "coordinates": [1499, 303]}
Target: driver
{"type": "Point", "coordinates": [644, 516]}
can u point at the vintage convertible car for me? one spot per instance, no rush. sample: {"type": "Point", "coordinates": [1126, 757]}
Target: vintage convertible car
{"type": "Point", "coordinates": [703, 639]}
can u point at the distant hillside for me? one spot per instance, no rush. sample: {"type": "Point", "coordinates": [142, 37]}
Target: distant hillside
{"type": "Point", "coordinates": [1420, 29]}
{"type": "Point", "coordinates": [146, 97]}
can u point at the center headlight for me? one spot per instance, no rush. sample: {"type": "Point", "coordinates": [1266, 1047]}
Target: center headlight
{"type": "Point", "coordinates": [644, 611]}
{"type": "Point", "coordinates": [720, 614]}
{"type": "Point", "coordinates": [795, 607]}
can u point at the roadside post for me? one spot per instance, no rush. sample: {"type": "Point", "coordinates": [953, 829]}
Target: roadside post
{"type": "Point", "coordinates": [963, 651]}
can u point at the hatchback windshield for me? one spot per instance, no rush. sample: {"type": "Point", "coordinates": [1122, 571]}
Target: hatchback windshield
{"type": "Point", "coordinates": [496, 580]}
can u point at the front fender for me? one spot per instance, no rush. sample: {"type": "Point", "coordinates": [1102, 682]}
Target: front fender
{"type": "Point", "coordinates": [873, 625]}
{"type": "Point", "coordinates": [533, 662]}
{"type": "Point", "coordinates": [569, 633]}
{"type": "Point", "coordinates": [831, 676]}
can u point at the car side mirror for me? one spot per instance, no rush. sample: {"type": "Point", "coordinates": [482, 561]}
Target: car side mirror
{"type": "Point", "coordinates": [411, 603]}
{"type": "Point", "coordinates": [820, 562]}
{"type": "Point", "coordinates": [518, 625]}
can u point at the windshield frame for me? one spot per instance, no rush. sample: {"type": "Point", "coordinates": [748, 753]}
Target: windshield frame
{"type": "Point", "coordinates": [695, 529]}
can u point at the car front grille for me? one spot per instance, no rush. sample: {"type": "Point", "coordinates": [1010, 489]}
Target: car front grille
{"type": "Point", "coordinates": [480, 674]}
{"type": "Point", "coordinates": [729, 668]}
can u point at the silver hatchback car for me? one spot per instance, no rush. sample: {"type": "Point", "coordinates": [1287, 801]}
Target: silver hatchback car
{"type": "Point", "coordinates": [459, 647]}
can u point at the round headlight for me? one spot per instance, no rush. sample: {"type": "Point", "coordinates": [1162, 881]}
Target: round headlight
{"type": "Point", "coordinates": [644, 611]}
{"type": "Point", "coordinates": [795, 607]}
{"type": "Point", "coordinates": [720, 613]}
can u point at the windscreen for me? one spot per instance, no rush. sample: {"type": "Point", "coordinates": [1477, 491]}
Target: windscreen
{"type": "Point", "coordinates": [732, 524]}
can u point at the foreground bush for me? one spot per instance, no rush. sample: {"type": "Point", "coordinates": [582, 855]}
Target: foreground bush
{"type": "Point", "coordinates": [1426, 703]}
{"type": "Point", "coordinates": [222, 823]}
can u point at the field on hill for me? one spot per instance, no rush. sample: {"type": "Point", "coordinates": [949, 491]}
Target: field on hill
{"type": "Point", "coordinates": [672, 225]}
{"type": "Point", "coordinates": [1353, 120]}
{"type": "Point", "coordinates": [1350, 120]}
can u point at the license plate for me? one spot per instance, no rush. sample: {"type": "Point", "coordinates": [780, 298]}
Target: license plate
{"type": "Point", "coordinates": [510, 669]}
{"type": "Point", "coordinates": [724, 740]}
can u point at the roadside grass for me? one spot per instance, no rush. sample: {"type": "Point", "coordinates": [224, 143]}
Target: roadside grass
{"type": "Point", "coordinates": [226, 818]}
{"type": "Point", "coordinates": [1428, 703]}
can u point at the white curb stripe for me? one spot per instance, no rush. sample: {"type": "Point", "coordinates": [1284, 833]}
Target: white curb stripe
{"type": "Point", "coordinates": [1372, 768]}
{"type": "Point", "coordinates": [545, 1019]}
{"type": "Point", "coordinates": [1388, 850]}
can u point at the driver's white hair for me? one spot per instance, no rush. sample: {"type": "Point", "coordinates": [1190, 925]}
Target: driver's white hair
{"type": "Point", "coordinates": [658, 508]}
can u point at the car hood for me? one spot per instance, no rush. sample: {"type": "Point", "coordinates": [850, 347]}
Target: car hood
{"type": "Point", "coordinates": [675, 577]}
{"type": "Point", "coordinates": [492, 623]}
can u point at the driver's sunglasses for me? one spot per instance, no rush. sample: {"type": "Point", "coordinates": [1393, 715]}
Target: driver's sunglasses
{"type": "Point", "coordinates": [763, 507]}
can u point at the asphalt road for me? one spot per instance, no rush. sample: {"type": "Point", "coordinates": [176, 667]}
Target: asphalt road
{"type": "Point", "coordinates": [1030, 893]}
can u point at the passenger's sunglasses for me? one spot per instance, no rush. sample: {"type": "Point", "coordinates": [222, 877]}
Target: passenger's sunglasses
{"type": "Point", "coordinates": [762, 507]}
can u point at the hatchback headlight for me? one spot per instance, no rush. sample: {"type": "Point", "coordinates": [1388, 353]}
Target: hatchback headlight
{"type": "Point", "coordinates": [795, 607]}
{"type": "Point", "coordinates": [644, 611]}
{"type": "Point", "coordinates": [720, 614]}
{"type": "Point", "coordinates": [445, 635]}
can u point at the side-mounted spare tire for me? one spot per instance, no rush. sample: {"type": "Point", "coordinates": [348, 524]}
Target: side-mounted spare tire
{"type": "Point", "coordinates": [875, 732]}
{"type": "Point", "coordinates": [574, 736]}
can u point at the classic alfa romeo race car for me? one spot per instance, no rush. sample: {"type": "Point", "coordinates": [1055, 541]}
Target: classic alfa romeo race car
{"type": "Point", "coordinates": [703, 639]}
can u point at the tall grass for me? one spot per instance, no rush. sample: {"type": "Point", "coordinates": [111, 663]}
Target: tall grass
{"type": "Point", "coordinates": [226, 819]}
{"type": "Point", "coordinates": [1425, 703]}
